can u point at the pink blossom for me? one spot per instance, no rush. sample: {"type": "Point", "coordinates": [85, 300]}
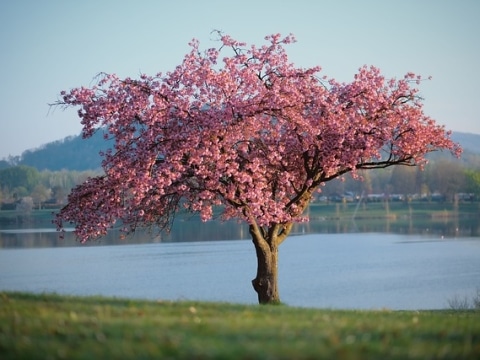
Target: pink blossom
{"type": "Point", "coordinates": [252, 132]}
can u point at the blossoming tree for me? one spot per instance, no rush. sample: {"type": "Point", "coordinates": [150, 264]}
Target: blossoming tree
{"type": "Point", "coordinates": [248, 133]}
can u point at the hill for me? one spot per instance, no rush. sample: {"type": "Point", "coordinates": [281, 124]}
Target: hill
{"type": "Point", "coordinates": [76, 153]}
{"type": "Point", "coordinates": [70, 153]}
{"type": "Point", "coordinates": [470, 142]}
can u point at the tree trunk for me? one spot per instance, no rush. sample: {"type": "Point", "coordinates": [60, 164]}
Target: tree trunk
{"type": "Point", "coordinates": [266, 281]}
{"type": "Point", "coordinates": [267, 241]}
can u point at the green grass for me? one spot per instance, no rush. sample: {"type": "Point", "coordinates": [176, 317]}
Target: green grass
{"type": "Point", "coordinates": [332, 210]}
{"type": "Point", "coordinates": [60, 327]}
{"type": "Point", "coordinates": [431, 210]}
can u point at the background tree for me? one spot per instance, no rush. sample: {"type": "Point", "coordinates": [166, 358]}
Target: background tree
{"type": "Point", "coordinates": [404, 180]}
{"type": "Point", "coordinates": [472, 179]}
{"type": "Point", "coordinates": [59, 194]}
{"type": "Point", "coordinates": [366, 186]}
{"type": "Point", "coordinates": [446, 178]}
{"type": "Point", "coordinates": [247, 132]}
{"type": "Point", "coordinates": [380, 180]}
{"type": "Point", "coordinates": [19, 192]}
{"type": "Point", "coordinates": [40, 194]}
{"type": "Point", "coordinates": [4, 164]}
{"type": "Point", "coordinates": [19, 176]}
{"type": "Point", "coordinates": [25, 206]}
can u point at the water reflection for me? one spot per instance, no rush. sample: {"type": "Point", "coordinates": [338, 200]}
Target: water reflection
{"type": "Point", "coordinates": [192, 229]}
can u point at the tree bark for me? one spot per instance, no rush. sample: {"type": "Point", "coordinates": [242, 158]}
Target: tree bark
{"type": "Point", "coordinates": [266, 281]}
{"type": "Point", "coordinates": [266, 242]}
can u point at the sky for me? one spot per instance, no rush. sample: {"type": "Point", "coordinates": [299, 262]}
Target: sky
{"type": "Point", "coordinates": [53, 45]}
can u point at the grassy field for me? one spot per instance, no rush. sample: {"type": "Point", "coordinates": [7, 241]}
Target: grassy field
{"type": "Point", "coordinates": [59, 327]}
{"type": "Point", "coordinates": [397, 209]}
{"type": "Point", "coordinates": [369, 209]}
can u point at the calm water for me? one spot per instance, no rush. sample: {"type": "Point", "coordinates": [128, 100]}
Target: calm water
{"type": "Point", "coordinates": [347, 270]}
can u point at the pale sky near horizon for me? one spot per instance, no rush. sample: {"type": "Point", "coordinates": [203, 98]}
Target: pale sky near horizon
{"type": "Point", "coordinates": [53, 45]}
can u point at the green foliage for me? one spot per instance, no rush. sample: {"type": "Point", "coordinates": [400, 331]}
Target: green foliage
{"type": "Point", "coordinates": [17, 182]}
{"type": "Point", "coordinates": [51, 326]}
{"type": "Point", "coordinates": [4, 164]}
{"type": "Point", "coordinates": [19, 176]}
{"type": "Point", "coordinates": [473, 181]}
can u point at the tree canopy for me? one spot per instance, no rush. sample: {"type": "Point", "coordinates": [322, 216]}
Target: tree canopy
{"type": "Point", "coordinates": [19, 176]}
{"type": "Point", "coordinates": [242, 128]}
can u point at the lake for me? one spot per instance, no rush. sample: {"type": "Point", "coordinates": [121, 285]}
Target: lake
{"type": "Point", "coordinates": [422, 268]}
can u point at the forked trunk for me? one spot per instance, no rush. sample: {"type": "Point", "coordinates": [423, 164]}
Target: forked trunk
{"type": "Point", "coordinates": [267, 241]}
{"type": "Point", "coordinates": [266, 281]}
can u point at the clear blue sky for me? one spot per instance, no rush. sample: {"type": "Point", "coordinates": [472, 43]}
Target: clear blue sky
{"type": "Point", "coordinates": [48, 46]}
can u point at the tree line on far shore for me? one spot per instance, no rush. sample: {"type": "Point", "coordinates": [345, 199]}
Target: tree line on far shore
{"type": "Point", "coordinates": [24, 188]}
{"type": "Point", "coordinates": [42, 178]}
